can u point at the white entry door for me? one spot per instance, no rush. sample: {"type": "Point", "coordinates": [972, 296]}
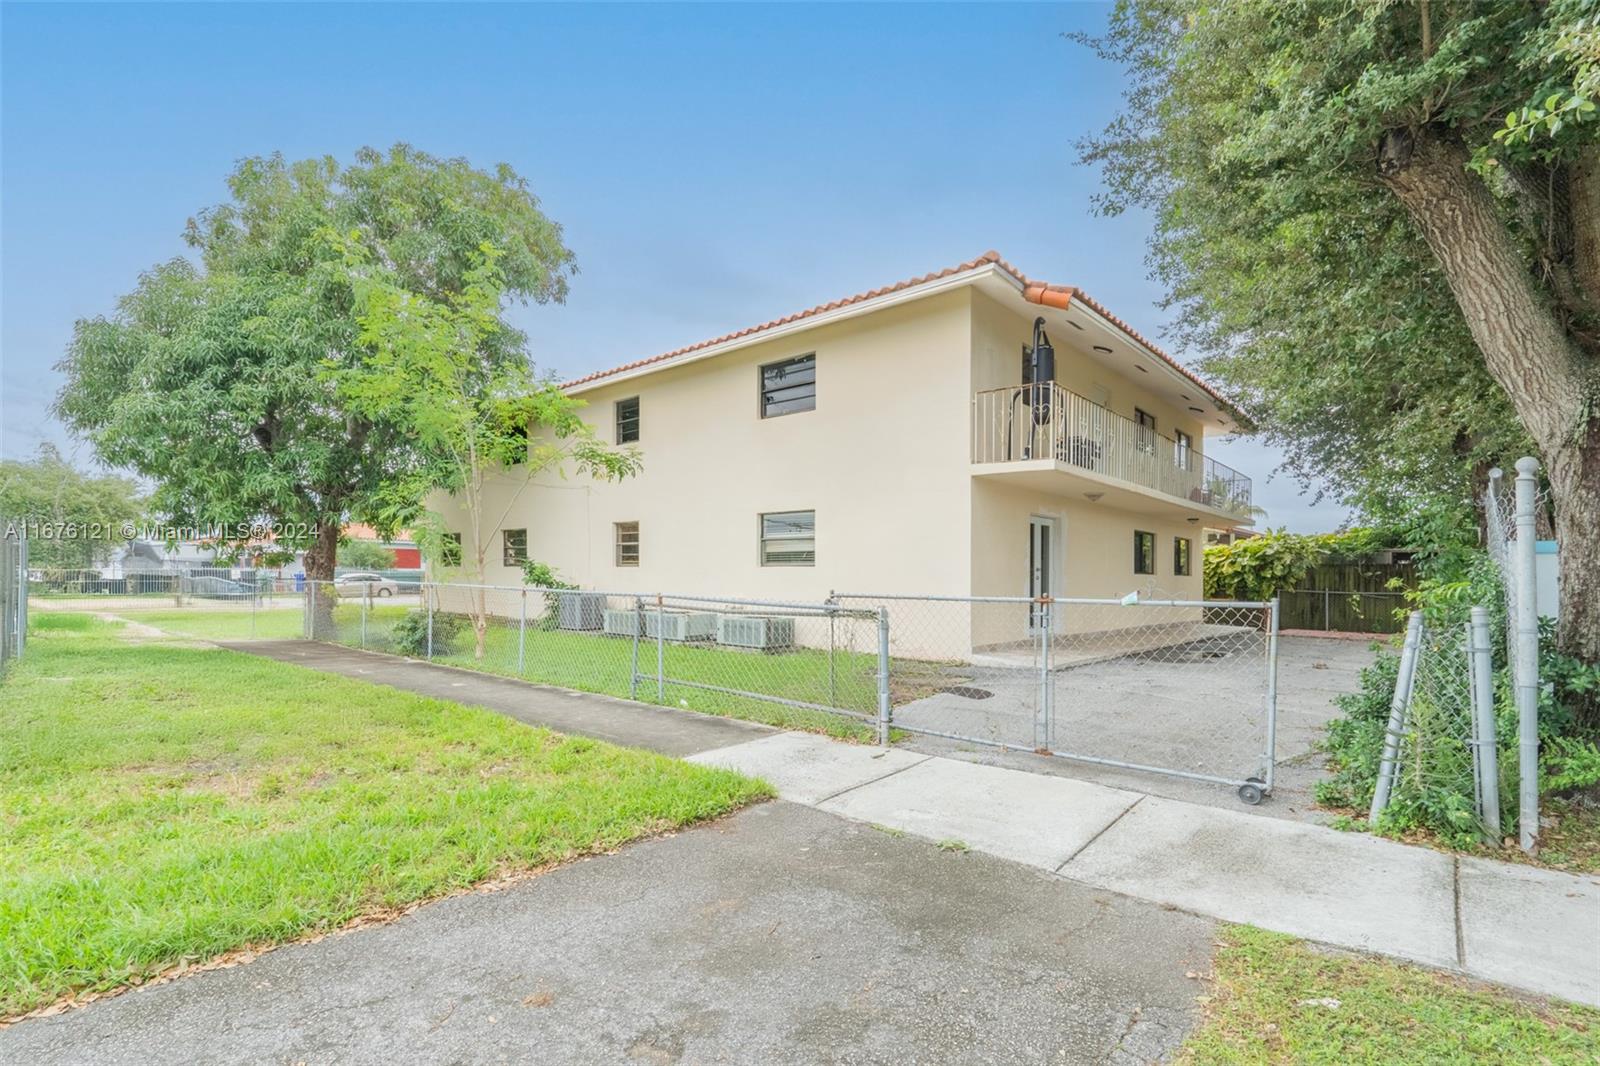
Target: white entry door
{"type": "Point", "coordinates": [1041, 562]}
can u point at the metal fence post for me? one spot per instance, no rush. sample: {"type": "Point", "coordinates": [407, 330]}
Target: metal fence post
{"type": "Point", "coordinates": [833, 685]}
{"type": "Point", "coordinates": [366, 603]}
{"type": "Point", "coordinates": [1485, 754]}
{"type": "Point", "coordinates": [884, 711]}
{"type": "Point", "coordinates": [1270, 770]}
{"type": "Point", "coordinates": [310, 626]}
{"type": "Point", "coordinates": [522, 632]}
{"type": "Point", "coordinates": [638, 629]}
{"type": "Point", "coordinates": [661, 652]}
{"type": "Point", "coordinates": [255, 598]}
{"type": "Point", "coordinates": [1527, 662]}
{"type": "Point", "coordinates": [1397, 717]}
{"type": "Point", "coordinates": [1041, 716]}
{"type": "Point", "coordinates": [427, 601]}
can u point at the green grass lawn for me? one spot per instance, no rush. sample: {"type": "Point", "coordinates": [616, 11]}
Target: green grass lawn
{"type": "Point", "coordinates": [1272, 1003]}
{"type": "Point", "coordinates": [269, 623]}
{"type": "Point", "coordinates": [164, 804]}
{"type": "Point", "coordinates": [593, 662]}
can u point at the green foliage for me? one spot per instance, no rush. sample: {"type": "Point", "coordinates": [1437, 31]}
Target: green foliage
{"type": "Point", "coordinates": [366, 555]}
{"type": "Point", "coordinates": [1258, 568]}
{"type": "Point", "coordinates": [1570, 690]}
{"type": "Point", "coordinates": [1252, 131]}
{"type": "Point", "coordinates": [543, 575]}
{"type": "Point", "coordinates": [469, 417]}
{"type": "Point", "coordinates": [47, 492]}
{"type": "Point", "coordinates": [1569, 763]}
{"type": "Point", "coordinates": [1566, 48]}
{"type": "Point", "coordinates": [410, 634]}
{"type": "Point", "coordinates": [212, 377]}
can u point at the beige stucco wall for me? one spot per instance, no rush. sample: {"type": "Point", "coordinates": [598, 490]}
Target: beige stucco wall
{"type": "Point", "coordinates": [882, 460]}
{"type": "Point", "coordinates": [998, 335]}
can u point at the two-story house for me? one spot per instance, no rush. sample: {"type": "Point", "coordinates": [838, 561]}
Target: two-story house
{"type": "Point", "coordinates": [969, 432]}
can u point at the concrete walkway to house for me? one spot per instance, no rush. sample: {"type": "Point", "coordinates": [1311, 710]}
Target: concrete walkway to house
{"type": "Point", "coordinates": [1531, 929]}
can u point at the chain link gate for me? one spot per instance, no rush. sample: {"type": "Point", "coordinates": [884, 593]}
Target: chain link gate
{"type": "Point", "coordinates": [1182, 688]}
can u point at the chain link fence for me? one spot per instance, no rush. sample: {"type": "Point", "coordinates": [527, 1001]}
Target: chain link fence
{"type": "Point", "coordinates": [13, 596]}
{"type": "Point", "coordinates": [1173, 687]}
{"type": "Point", "coordinates": [1182, 688]}
{"type": "Point", "coordinates": [1444, 748]}
{"type": "Point", "coordinates": [210, 603]}
{"type": "Point", "coordinates": [801, 665]}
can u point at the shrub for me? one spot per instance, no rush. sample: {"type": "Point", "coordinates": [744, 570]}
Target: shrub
{"type": "Point", "coordinates": [411, 632]}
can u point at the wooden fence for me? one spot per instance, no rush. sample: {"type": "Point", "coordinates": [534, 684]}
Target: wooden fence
{"type": "Point", "coordinates": [1348, 597]}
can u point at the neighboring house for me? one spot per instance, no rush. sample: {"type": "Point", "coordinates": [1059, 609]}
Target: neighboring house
{"type": "Point", "coordinates": [906, 440]}
{"type": "Point", "coordinates": [1229, 535]}
{"type": "Point", "coordinates": [143, 556]}
{"type": "Point", "coordinates": [407, 556]}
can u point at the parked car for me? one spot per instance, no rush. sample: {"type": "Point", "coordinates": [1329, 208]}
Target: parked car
{"type": "Point", "coordinates": [215, 588]}
{"type": "Point", "coordinates": [360, 586]}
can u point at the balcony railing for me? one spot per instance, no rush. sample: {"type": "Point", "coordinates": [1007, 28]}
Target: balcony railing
{"type": "Point", "coordinates": [1047, 422]}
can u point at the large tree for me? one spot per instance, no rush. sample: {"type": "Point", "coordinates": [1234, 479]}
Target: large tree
{"type": "Point", "coordinates": [1404, 287]}
{"type": "Point", "coordinates": [74, 520]}
{"type": "Point", "coordinates": [484, 431]}
{"type": "Point", "coordinates": [212, 377]}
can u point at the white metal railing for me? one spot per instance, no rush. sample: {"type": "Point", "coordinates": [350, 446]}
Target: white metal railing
{"type": "Point", "coordinates": [1045, 421]}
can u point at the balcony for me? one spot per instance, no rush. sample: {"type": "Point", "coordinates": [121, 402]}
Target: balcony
{"type": "Point", "coordinates": [1045, 428]}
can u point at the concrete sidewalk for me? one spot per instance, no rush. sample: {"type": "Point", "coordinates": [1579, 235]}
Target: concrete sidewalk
{"type": "Point", "coordinates": [1531, 929]}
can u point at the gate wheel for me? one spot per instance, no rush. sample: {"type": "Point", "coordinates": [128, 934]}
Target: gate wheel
{"type": "Point", "coordinates": [1251, 791]}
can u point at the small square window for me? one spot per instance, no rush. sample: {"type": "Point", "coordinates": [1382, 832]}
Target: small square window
{"type": "Point", "coordinates": [789, 386]}
{"type": "Point", "coordinates": [1144, 552]}
{"type": "Point", "coordinates": [1181, 547]}
{"type": "Point", "coordinates": [627, 540]}
{"type": "Point", "coordinates": [628, 420]}
{"type": "Point", "coordinates": [789, 538]}
{"type": "Point", "coordinates": [514, 547]}
{"type": "Point", "coordinates": [450, 550]}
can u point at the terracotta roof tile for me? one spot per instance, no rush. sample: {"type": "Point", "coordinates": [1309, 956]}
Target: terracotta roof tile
{"type": "Point", "coordinates": [1039, 292]}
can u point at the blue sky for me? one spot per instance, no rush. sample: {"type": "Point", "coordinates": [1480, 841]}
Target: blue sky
{"type": "Point", "coordinates": [713, 166]}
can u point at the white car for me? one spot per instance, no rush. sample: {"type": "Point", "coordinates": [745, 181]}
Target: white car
{"type": "Point", "coordinates": [362, 586]}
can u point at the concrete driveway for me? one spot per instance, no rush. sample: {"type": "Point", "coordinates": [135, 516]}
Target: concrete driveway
{"type": "Point", "coordinates": [1203, 713]}
{"type": "Point", "coordinates": [782, 934]}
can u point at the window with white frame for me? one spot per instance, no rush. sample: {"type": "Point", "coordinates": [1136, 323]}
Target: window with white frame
{"type": "Point", "coordinates": [627, 541]}
{"type": "Point", "coordinates": [789, 538]}
{"type": "Point", "coordinates": [1181, 549]}
{"type": "Point", "coordinates": [789, 387]}
{"type": "Point", "coordinates": [1183, 450]}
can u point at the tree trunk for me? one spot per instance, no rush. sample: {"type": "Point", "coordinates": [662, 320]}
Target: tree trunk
{"type": "Point", "coordinates": [319, 562]}
{"type": "Point", "coordinates": [1550, 379]}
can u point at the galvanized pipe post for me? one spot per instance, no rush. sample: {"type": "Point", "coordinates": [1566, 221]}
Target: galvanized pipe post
{"type": "Point", "coordinates": [1485, 755]}
{"type": "Point", "coordinates": [638, 628]}
{"type": "Point", "coordinates": [1527, 662]}
{"type": "Point", "coordinates": [1397, 717]}
{"type": "Point", "coordinates": [428, 600]}
{"type": "Point", "coordinates": [661, 651]}
{"type": "Point", "coordinates": [1271, 756]}
{"type": "Point", "coordinates": [1041, 717]}
{"type": "Point", "coordinates": [884, 711]}
{"type": "Point", "coordinates": [522, 632]}
{"type": "Point", "coordinates": [366, 603]}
